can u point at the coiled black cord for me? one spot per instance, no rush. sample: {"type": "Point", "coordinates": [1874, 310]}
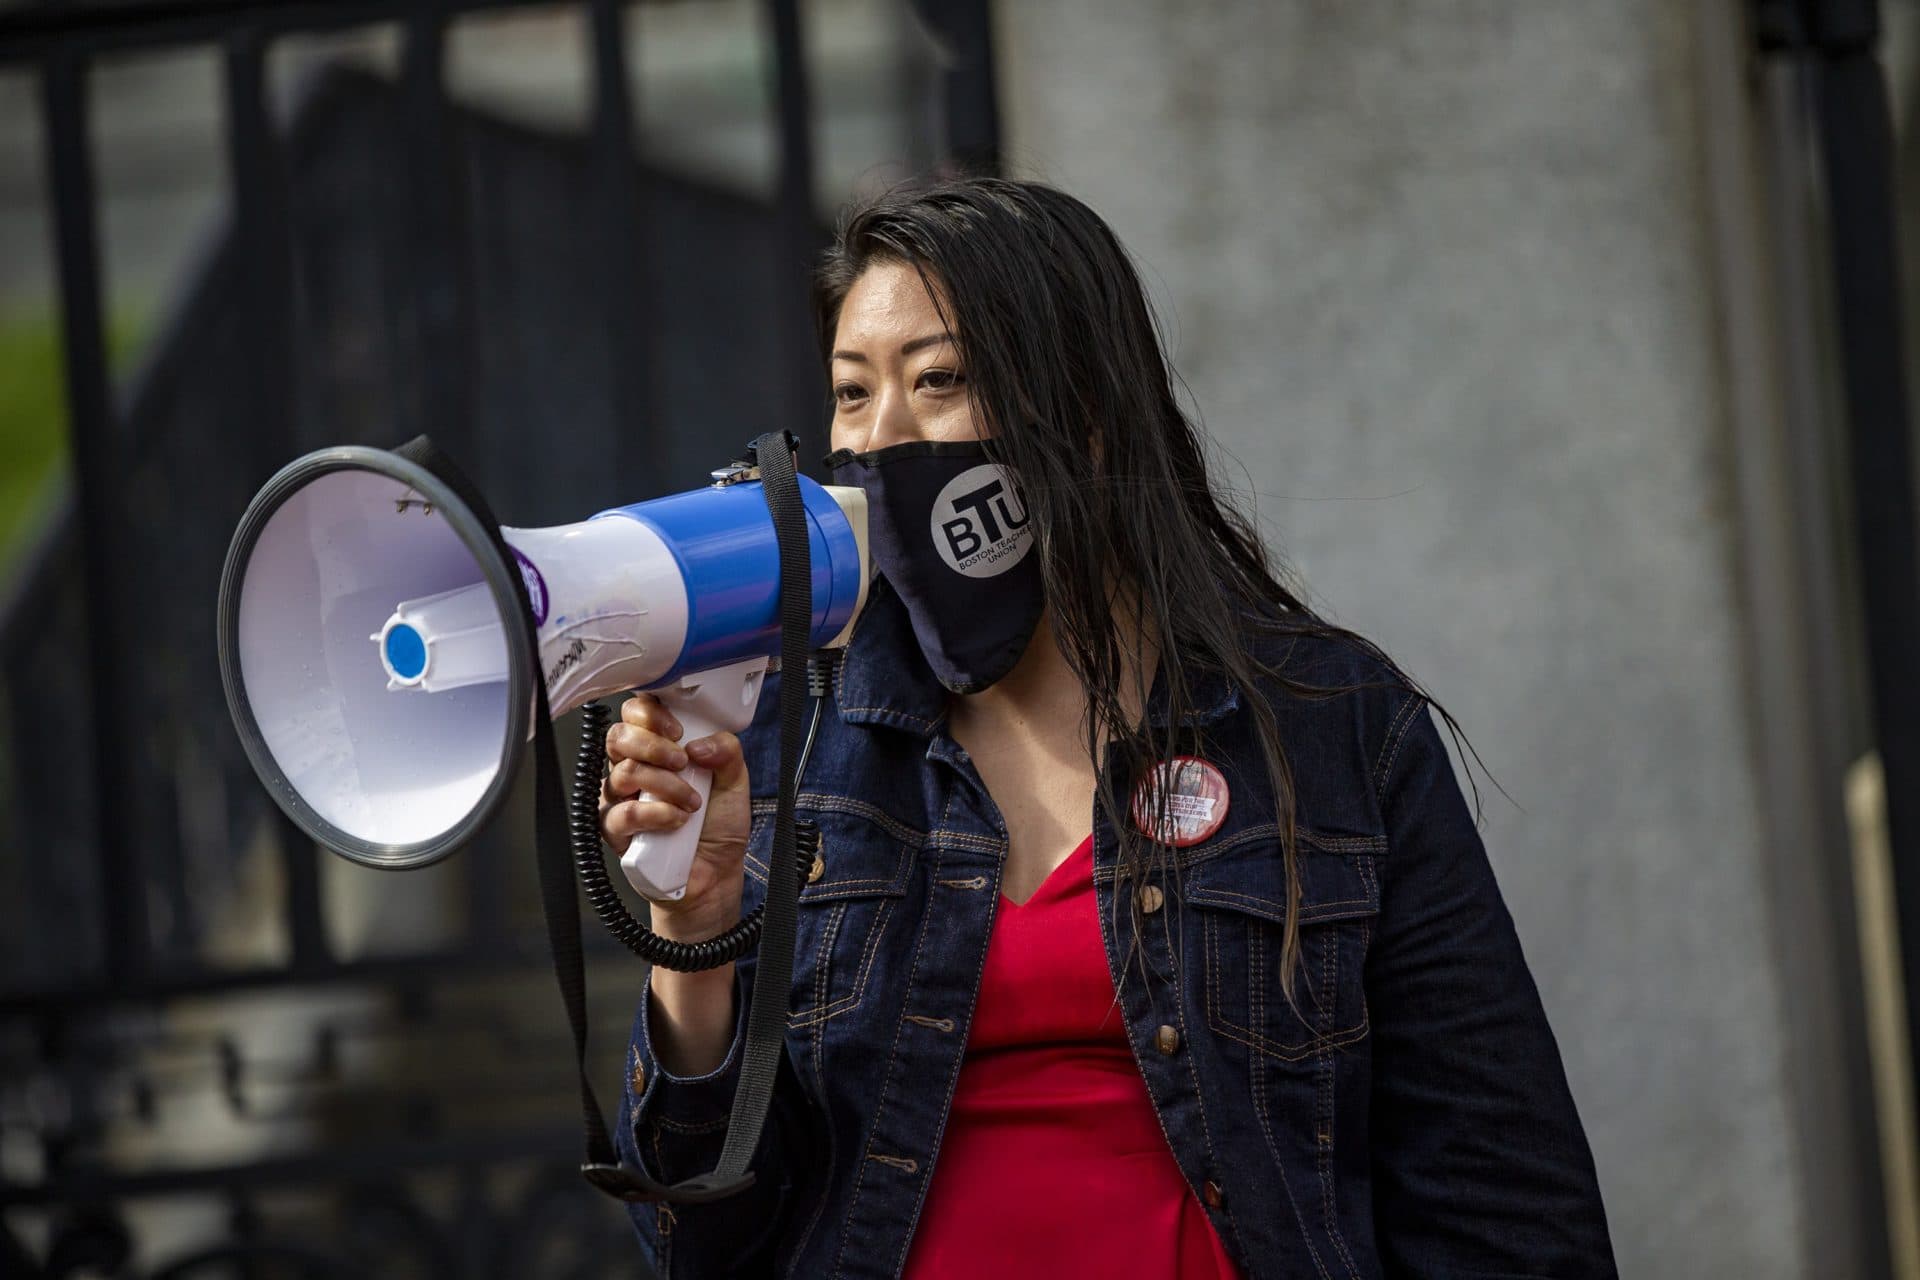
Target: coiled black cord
{"type": "Point", "coordinates": [589, 774]}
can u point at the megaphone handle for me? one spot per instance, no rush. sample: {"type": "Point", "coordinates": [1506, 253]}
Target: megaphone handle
{"type": "Point", "coordinates": [657, 864]}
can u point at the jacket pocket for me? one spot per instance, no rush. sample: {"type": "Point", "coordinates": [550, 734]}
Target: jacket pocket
{"type": "Point", "coordinates": [846, 906]}
{"type": "Point", "coordinates": [1241, 896]}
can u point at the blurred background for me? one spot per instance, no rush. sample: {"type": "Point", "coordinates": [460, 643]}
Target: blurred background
{"type": "Point", "coordinates": [1558, 345]}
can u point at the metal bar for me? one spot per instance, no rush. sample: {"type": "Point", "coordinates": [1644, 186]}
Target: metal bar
{"type": "Point", "coordinates": [623, 226]}
{"type": "Point", "coordinates": [1856, 150]}
{"type": "Point", "coordinates": [47, 740]}
{"type": "Point", "coordinates": [437, 242]}
{"type": "Point", "coordinates": [261, 243]}
{"type": "Point", "coordinates": [1765, 261]}
{"type": "Point", "coordinates": [434, 243]}
{"type": "Point", "coordinates": [264, 428]}
{"type": "Point", "coordinates": [91, 436]}
{"type": "Point", "coordinates": [34, 34]}
{"type": "Point", "coordinates": [485, 876]}
{"type": "Point", "coordinates": [799, 234]}
{"type": "Point", "coordinates": [969, 101]}
{"type": "Point", "coordinates": [43, 800]}
{"type": "Point", "coordinates": [515, 952]}
{"type": "Point", "coordinates": [373, 1160]}
{"type": "Point", "coordinates": [917, 82]}
{"type": "Point", "coordinates": [1819, 902]}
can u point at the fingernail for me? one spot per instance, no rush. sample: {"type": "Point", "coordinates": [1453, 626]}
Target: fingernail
{"type": "Point", "coordinates": [695, 806]}
{"type": "Point", "coordinates": [700, 748]}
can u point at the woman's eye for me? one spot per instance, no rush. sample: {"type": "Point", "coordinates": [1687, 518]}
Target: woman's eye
{"type": "Point", "coordinates": [848, 393]}
{"type": "Point", "coordinates": [942, 379]}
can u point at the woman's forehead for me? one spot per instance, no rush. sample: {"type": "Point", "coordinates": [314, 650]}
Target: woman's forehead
{"type": "Point", "coordinates": [889, 303]}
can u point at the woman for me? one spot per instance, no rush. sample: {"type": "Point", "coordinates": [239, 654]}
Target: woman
{"type": "Point", "coordinates": [1150, 933]}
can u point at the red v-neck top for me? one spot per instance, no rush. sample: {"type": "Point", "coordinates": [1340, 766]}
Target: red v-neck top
{"type": "Point", "coordinates": [1053, 1163]}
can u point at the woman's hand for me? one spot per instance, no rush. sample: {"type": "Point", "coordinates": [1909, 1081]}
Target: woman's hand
{"type": "Point", "coordinates": [646, 755]}
{"type": "Point", "coordinates": [692, 1014]}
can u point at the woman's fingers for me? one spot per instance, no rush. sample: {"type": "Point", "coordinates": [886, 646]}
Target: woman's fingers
{"type": "Point", "coordinates": [628, 778]}
{"type": "Point", "coordinates": [630, 818]}
{"type": "Point", "coordinates": [643, 711]}
{"type": "Point", "coordinates": [646, 746]}
{"type": "Point", "coordinates": [720, 752]}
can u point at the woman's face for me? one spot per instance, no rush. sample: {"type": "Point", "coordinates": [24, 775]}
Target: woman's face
{"type": "Point", "coordinates": [896, 370]}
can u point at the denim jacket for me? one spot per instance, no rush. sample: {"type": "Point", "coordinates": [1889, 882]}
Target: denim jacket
{"type": "Point", "coordinates": [1405, 1114]}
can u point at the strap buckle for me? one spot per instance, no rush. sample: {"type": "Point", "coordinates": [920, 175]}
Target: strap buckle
{"type": "Point", "coordinates": [617, 1182]}
{"type": "Point", "coordinates": [623, 1183]}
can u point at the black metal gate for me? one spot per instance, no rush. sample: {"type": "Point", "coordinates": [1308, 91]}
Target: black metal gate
{"type": "Point", "coordinates": [377, 1084]}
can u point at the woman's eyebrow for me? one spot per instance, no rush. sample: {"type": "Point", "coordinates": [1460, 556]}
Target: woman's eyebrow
{"type": "Point", "coordinates": [906, 349]}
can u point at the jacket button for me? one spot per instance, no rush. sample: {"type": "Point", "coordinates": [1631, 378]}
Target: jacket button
{"type": "Point", "coordinates": [638, 1078]}
{"type": "Point", "coordinates": [818, 869]}
{"type": "Point", "coordinates": [1212, 1194]}
{"type": "Point", "coordinates": [1150, 899]}
{"type": "Point", "coordinates": [1166, 1040]}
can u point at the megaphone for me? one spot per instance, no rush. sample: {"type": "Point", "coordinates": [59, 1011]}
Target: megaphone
{"type": "Point", "coordinates": [383, 686]}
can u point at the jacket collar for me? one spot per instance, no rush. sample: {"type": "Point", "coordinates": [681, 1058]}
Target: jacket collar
{"type": "Point", "coordinates": [884, 680]}
{"type": "Point", "coordinates": [1214, 697]}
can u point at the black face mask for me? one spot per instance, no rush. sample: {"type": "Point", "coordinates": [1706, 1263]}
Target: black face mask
{"type": "Point", "coordinates": [948, 529]}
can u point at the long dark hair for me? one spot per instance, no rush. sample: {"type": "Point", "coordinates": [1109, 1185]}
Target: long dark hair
{"type": "Point", "coordinates": [1065, 369]}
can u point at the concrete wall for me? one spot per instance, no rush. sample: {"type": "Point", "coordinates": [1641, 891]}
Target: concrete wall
{"type": "Point", "coordinates": [1439, 274]}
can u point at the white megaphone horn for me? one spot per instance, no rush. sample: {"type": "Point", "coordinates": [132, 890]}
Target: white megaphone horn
{"type": "Point", "coordinates": [384, 693]}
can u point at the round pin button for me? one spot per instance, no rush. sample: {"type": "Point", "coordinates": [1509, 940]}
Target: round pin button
{"type": "Point", "coordinates": [1185, 797]}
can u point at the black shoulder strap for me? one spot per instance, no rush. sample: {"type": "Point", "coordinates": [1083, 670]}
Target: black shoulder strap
{"type": "Point", "coordinates": [773, 979]}
{"type": "Point", "coordinates": [766, 1021]}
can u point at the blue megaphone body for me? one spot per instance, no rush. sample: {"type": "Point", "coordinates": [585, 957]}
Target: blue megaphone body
{"type": "Point", "coordinates": [384, 689]}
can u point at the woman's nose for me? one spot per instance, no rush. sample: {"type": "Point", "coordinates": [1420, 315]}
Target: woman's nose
{"type": "Point", "coordinates": [893, 420]}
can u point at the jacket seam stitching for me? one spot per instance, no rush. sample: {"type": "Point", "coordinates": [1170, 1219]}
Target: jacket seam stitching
{"type": "Point", "coordinates": [824, 800]}
{"type": "Point", "coordinates": [817, 1036]}
{"type": "Point", "coordinates": [690, 1129]}
{"type": "Point", "coordinates": [1257, 1073]}
{"type": "Point", "coordinates": [1109, 937]}
{"type": "Point", "coordinates": [664, 1237]}
{"type": "Point", "coordinates": [1396, 737]}
{"type": "Point", "coordinates": [1253, 835]}
{"type": "Point", "coordinates": [1271, 830]}
{"type": "Point", "coordinates": [820, 1014]}
{"type": "Point", "coordinates": [1193, 1079]}
{"type": "Point", "coordinates": [893, 1059]}
{"type": "Point", "coordinates": [1254, 1039]}
{"type": "Point", "coordinates": [891, 713]}
{"type": "Point", "coordinates": [953, 1075]}
{"type": "Point", "coordinates": [1308, 913]}
{"type": "Point", "coordinates": [1329, 987]}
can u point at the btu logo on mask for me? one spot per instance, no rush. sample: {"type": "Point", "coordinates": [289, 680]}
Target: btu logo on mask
{"type": "Point", "coordinates": [980, 523]}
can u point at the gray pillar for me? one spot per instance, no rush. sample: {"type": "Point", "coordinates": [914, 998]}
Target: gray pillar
{"type": "Point", "coordinates": [1450, 284]}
